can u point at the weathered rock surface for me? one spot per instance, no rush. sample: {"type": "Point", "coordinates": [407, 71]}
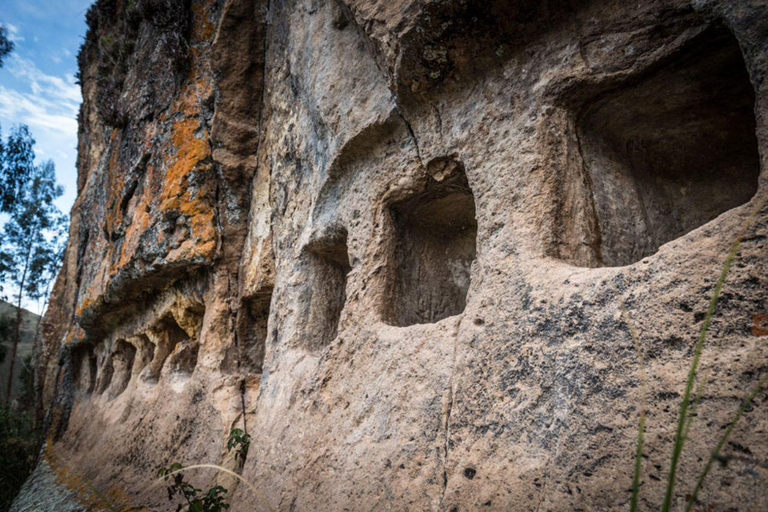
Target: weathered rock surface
{"type": "Point", "coordinates": [405, 241]}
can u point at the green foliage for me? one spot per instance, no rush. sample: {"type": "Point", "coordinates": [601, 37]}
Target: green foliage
{"type": "Point", "coordinates": [19, 441]}
{"type": "Point", "coordinates": [17, 162]}
{"type": "Point", "coordinates": [32, 240]}
{"type": "Point", "coordinates": [26, 401]}
{"type": "Point", "coordinates": [6, 328]}
{"type": "Point", "coordinates": [107, 42]}
{"type": "Point", "coordinates": [6, 45]}
{"type": "Point", "coordinates": [240, 442]}
{"type": "Point", "coordinates": [195, 500]}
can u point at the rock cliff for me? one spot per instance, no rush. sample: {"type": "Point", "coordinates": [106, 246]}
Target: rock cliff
{"type": "Point", "coordinates": [406, 242]}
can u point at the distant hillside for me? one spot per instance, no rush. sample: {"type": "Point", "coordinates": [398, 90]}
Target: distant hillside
{"type": "Point", "coordinates": [28, 326]}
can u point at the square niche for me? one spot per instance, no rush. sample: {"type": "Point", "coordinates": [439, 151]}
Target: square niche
{"type": "Point", "coordinates": [671, 150]}
{"type": "Point", "coordinates": [434, 245]}
{"type": "Point", "coordinates": [328, 267]}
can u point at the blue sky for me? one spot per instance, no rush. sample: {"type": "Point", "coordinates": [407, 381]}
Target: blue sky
{"type": "Point", "coordinates": [37, 82]}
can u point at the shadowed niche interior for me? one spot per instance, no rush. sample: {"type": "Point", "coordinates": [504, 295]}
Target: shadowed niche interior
{"type": "Point", "coordinates": [122, 357]}
{"type": "Point", "coordinates": [106, 370]}
{"type": "Point", "coordinates": [85, 369]}
{"type": "Point", "coordinates": [252, 331]}
{"type": "Point", "coordinates": [173, 350]}
{"type": "Point", "coordinates": [145, 352]}
{"type": "Point", "coordinates": [672, 151]}
{"type": "Point", "coordinates": [328, 266]}
{"type": "Point", "coordinates": [183, 356]}
{"type": "Point", "coordinates": [435, 232]}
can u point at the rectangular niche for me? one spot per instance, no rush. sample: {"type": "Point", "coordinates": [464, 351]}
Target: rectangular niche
{"type": "Point", "coordinates": [105, 368]}
{"type": "Point", "coordinates": [84, 360]}
{"type": "Point", "coordinates": [174, 351]}
{"type": "Point", "coordinates": [121, 361]}
{"type": "Point", "coordinates": [252, 331]}
{"type": "Point", "coordinates": [671, 151]}
{"type": "Point", "coordinates": [182, 358]}
{"type": "Point", "coordinates": [435, 232]}
{"type": "Point", "coordinates": [328, 267]}
{"type": "Point", "coordinates": [145, 352]}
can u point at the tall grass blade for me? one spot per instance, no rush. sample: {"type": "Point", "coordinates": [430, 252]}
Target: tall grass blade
{"type": "Point", "coordinates": [695, 405]}
{"type": "Point", "coordinates": [644, 406]}
{"type": "Point", "coordinates": [683, 416]}
{"type": "Point", "coordinates": [724, 438]}
{"type": "Point", "coordinates": [638, 463]}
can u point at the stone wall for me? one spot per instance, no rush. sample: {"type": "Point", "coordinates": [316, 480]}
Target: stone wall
{"type": "Point", "coordinates": [406, 242]}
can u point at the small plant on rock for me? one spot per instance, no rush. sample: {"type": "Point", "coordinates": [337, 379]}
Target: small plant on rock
{"type": "Point", "coordinates": [240, 442]}
{"type": "Point", "coordinates": [194, 499]}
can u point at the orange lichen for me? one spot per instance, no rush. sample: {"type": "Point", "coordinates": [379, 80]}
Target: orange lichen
{"type": "Point", "coordinates": [83, 489]}
{"type": "Point", "coordinates": [167, 188]}
{"type": "Point", "coordinates": [85, 304]}
{"type": "Point", "coordinates": [74, 334]}
{"type": "Point", "coordinates": [192, 151]}
{"type": "Point", "coordinates": [116, 179]}
{"type": "Point", "coordinates": [202, 27]}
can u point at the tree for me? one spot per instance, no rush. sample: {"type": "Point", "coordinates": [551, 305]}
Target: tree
{"type": "Point", "coordinates": [6, 327]}
{"type": "Point", "coordinates": [31, 245]}
{"type": "Point", "coordinates": [6, 45]}
{"type": "Point", "coordinates": [17, 159]}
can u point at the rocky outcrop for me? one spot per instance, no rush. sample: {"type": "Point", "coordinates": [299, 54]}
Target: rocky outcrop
{"type": "Point", "coordinates": [405, 244]}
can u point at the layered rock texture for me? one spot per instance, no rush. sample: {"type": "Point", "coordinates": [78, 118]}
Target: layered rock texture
{"type": "Point", "coordinates": [406, 243]}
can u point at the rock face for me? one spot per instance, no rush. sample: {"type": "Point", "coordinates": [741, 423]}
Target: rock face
{"type": "Point", "coordinates": [406, 242]}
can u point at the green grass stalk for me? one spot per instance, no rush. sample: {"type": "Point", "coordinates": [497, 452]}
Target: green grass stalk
{"type": "Point", "coordinates": [641, 421]}
{"type": "Point", "coordinates": [695, 405]}
{"type": "Point", "coordinates": [724, 438]}
{"type": "Point", "coordinates": [682, 421]}
{"type": "Point", "coordinates": [638, 463]}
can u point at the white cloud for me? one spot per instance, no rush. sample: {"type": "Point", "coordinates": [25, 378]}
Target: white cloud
{"type": "Point", "coordinates": [52, 102]}
{"type": "Point", "coordinates": [48, 105]}
{"type": "Point", "coordinates": [13, 32]}
{"type": "Point", "coordinates": [38, 112]}
{"type": "Point", "coordinates": [51, 86]}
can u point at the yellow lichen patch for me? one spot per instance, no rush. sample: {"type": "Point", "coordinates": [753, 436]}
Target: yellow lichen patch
{"type": "Point", "coordinates": [190, 140]}
{"type": "Point", "coordinates": [76, 333]}
{"type": "Point", "coordinates": [116, 179]}
{"type": "Point", "coordinates": [85, 304]}
{"type": "Point", "coordinates": [202, 27]}
{"type": "Point", "coordinates": [141, 220]}
{"type": "Point", "coordinates": [84, 490]}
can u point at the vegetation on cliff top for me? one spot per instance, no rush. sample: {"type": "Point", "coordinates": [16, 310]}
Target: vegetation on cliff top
{"type": "Point", "coordinates": [113, 31]}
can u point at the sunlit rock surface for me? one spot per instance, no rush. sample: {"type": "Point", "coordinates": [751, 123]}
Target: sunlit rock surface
{"type": "Point", "coordinates": [405, 242]}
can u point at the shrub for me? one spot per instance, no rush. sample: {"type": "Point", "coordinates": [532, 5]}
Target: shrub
{"type": "Point", "coordinates": [19, 440]}
{"type": "Point", "coordinates": [195, 500]}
